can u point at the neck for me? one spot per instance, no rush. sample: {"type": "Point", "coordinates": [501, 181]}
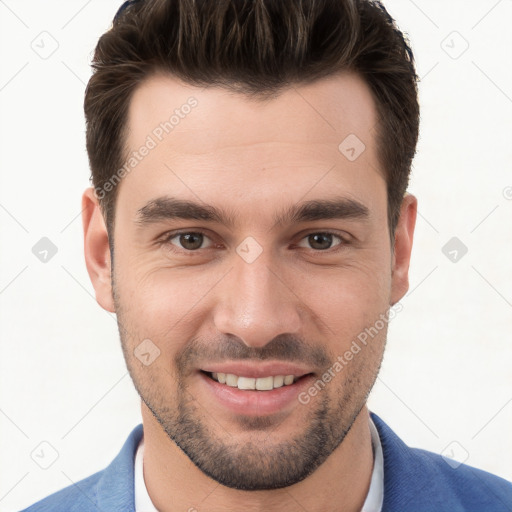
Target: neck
{"type": "Point", "coordinates": [340, 483]}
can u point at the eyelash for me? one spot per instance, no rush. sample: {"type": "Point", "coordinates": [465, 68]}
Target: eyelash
{"type": "Point", "coordinates": [167, 237]}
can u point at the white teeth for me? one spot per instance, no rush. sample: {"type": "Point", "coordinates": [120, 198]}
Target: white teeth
{"type": "Point", "coordinates": [246, 383]}
{"type": "Point", "coordinates": [278, 381]}
{"type": "Point", "coordinates": [288, 380]}
{"type": "Point", "coordinates": [231, 380]}
{"type": "Point", "coordinates": [260, 383]}
{"type": "Point", "coordinates": [265, 383]}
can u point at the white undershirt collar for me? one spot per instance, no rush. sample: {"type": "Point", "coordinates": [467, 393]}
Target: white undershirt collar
{"type": "Point", "coordinates": [373, 502]}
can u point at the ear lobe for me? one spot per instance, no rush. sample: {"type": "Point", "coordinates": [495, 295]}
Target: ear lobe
{"type": "Point", "coordinates": [97, 250]}
{"type": "Point", "coordinates": [404, 234]}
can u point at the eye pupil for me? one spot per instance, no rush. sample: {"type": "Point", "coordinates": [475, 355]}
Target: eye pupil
{"type": "Point", "coordinates": [316, 240]}
{"type": "Point", "coordinates": [191, 241]}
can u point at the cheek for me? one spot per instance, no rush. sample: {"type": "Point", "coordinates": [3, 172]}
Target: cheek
{"type": "Point", "coordinates": [347, 299]}
{"type": "Point", "coordinates": [163, 302]}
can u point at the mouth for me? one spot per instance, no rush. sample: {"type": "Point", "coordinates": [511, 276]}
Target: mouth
{"type": "Point", "coordinates": [255, 396]}
{"type": "Point", "coordinates": [265, 383]}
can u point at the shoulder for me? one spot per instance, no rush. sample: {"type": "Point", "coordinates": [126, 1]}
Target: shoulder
{"type": "Point", "coordinates": [80, 496]}
{"type": "Point", "coordinates": [110, 489]}
{"type": "Point", "coordinates": [472, 488]}
{"type": "Point", "coordinates": [420, 480]}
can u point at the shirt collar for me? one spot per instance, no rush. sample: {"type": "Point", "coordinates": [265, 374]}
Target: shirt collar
{"type": "Point", "coordinates": [373, 502]}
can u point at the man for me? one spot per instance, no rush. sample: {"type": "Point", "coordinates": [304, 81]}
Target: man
{"type": "Point", "coordinates": [248, 221]}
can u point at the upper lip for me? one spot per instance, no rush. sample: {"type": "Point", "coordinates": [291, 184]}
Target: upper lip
{"type": "Point", "coordinates": [255, 370]}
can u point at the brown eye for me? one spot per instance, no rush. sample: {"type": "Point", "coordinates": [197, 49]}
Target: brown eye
{"type": "Point", "coordinates": [322, 241]}
{"type": "Point", "coordinates": [190, 241]}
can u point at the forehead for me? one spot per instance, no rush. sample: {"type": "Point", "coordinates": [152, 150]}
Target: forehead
{"type": "Point", "coordinates": [340, 104]}
{"type": "Point", "coordinates": [203, 141]}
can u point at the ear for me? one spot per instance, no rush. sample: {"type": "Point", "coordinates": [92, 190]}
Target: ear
{"type": "Point", "coordinates": [97, 250]}
{"type": "Point", "coordinates": [403, 246]}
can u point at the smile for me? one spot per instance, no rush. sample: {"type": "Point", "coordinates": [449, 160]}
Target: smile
{"type": "Point", "coordinates": [251, 383]}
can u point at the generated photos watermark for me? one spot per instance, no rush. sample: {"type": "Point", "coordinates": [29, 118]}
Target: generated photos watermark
{"type": "Point", "coordinates": [343, 360]}
{"type": "Point", "coordinates": [156, 136]}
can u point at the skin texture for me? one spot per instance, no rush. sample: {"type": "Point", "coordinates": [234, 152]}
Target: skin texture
{"type": "Point", "coordinates": [295, 302]}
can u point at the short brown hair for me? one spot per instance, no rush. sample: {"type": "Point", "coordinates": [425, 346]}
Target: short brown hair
{"type": "Point", "coordinates": [257, 48]}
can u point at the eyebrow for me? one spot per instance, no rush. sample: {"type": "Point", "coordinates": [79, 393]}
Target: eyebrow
{"type": "Point", "coordinates": [170, 208]}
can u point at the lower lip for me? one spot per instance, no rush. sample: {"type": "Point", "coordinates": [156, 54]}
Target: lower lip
{"type": "Point", "coordinates": [256, 403]}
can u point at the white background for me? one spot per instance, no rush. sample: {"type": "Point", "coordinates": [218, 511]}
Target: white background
{"type": "Point", "coordinates": [446, 374]}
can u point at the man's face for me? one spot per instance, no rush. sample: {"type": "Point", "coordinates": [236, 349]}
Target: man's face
{"type": "Point", "coordinates": [267, 288]}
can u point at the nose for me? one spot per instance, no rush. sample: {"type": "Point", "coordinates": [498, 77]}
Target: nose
{"type": "Point", "coordinates": [256, 302]}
